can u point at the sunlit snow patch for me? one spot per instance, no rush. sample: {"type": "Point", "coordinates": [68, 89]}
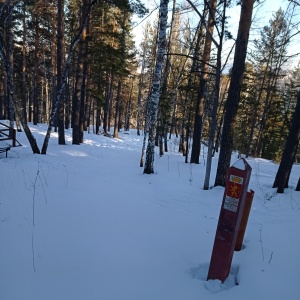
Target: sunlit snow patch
{"type": "Point", "coordinates": [75, 153]}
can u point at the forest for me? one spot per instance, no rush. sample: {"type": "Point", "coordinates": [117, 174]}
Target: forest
{"type": "Point", "coordinates": [75, 64]}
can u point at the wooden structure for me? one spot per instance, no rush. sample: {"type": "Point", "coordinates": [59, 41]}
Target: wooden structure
{"type": "Point", "coordinates": [7, 138]}
{"type": "Point", "coordinates": [238, 178]}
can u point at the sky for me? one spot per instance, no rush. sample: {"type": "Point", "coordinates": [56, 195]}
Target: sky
{"type": "Point", "coordinates": [84, 222]}
{"type": "Point", "coordinates": [261, 15]}
{"type": "Point", "coordinates": [266, 8]}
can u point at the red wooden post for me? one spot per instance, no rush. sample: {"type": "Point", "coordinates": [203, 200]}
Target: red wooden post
{"type": "Point", "coordinates": [244, 221]}
{"type": "Point", "coordinates": [238, 178]}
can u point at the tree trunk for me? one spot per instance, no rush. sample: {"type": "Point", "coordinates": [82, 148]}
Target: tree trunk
{"type": "Point", "coordinates": [139, 101]}
{"type": "Point", "coordinates": [288, 155]}
{"type": "Point", "coordinates": [36, 72]}
{"type": "Point", "coordinates": [233, 99]}
{"type": "Point", "coordinates": [59, 64]}
{"type": "Point", "coordinates": [117, 112]}
{"type": "Point", "coordinates": [76, 98]}
{"type": "Point", "coordinates": [68, 105]}
{"type": "Point", "coordinates": [182, 142]}
{"type": "Point", "coordinates": [98, 114]}
{"type": "Point", "coordinates": [24, 90]}
{"type": "Point", "coordinates": [128, 109]}
{"type": "Point", "coordinates": [10, 86]}
{"type": "Point", "coordinates": [298, 186]}
{"type": "Point", "coordinates": [109, 93]}
{"type": "Point", "coordinates": [80, 86]}
{"type": "Point", "coordinates": [198, 122]}
{"type": "Point", "coordinates": [154, 100]}
{"type": "Point", "coordinates": [215, 102]}
{"type": "Point", "coordinates": [166, 98]}
{"type": "Point", "coordinates": [84, 94]}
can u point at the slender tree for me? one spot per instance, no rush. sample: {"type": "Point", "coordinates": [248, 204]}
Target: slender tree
{"type": "Point", "coordinates": [298, 186]}
{"type": "Point", "coordinates": [36, 77]}
{"type": "Point", "coordinates": [156, 83]}
{"type": "Point", "coordinates": [60, 60]}
{"type": "Point", "coordinates": [116, 124]}
{"type": "Point", "coordinates": [141, 79]}
{"type": "Point", "coordinates": [80, 85]}
{"type": "Point", "coordinates": [198, 122]}
{"type": "Point", "coordinates": [232, 102]}
{"type": "Point", "coordinates": [215, 99]}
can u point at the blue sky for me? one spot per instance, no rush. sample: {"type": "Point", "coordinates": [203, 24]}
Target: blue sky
{"type": "Point", "coordinates": [262, 14]}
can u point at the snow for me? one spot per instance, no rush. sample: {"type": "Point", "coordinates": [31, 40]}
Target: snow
{"type": "Point", "coordinates": [240, 164]}
{"type": "Point", "coordinates": [84, 222]}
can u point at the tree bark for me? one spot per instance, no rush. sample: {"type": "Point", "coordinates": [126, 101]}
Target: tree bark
{"type": "Point", "coordinates": [24, 91]}
{"type": "Point", "coordinates": [108, 97]}
{"type": "Point", "coordinates": [117, 112]}
{"type": "Point", "coordinates": [298, 186]}
{"type": "Point", "coordinates": [128, 109]}
{"type": "Point", "coordinates": [198, 122]}
{"type": "Point", "coordinates": [76, 98]}
{"type": "Point", "coordinates": [156, 83]}
{"type": "Point", "coordinates": [10, 87]}
{"type": "Point", "coordinates": [84, 93]}
{"type": "Point", "coordinates": [36, 71]}
{"type": "Point", "coordinates": [215, 100]}
{"type": "Point", "coordinates": [233, 99]}
{"type": "Point", "coordinates": [60, 63]}
{"type": "Point", "coordinates": [139, 101]}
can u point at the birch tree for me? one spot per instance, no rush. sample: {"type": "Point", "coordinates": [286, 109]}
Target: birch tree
{"type": "Point", "coordinates": [156, 83]}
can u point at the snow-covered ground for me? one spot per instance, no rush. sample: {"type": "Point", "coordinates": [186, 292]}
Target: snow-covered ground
{"type": "Point", "coordinates": [84, 223]}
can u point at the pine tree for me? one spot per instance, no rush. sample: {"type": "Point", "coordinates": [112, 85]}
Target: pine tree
{"type": "Point", "coordinates": [232, 102]}
{"type": "Point", "coordinates": [270, 57]}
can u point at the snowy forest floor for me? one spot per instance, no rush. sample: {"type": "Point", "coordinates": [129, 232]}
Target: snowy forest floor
{"type": "Point", "coordinates": [84, 222]}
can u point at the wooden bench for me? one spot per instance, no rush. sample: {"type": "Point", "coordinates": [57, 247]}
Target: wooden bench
{"type": "Point", "coordinates": [4, 148]}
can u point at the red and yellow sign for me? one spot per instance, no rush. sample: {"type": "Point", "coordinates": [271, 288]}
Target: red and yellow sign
{"type": "Point", "coordinates": [234, 190]}
{"type": "Point", "coordinates": [234, 186]}
{"type": "Point", "coordinates": [233, 193]}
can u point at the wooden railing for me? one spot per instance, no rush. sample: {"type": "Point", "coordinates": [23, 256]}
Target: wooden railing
{"type": "Point", "coordinates": [7, 133]}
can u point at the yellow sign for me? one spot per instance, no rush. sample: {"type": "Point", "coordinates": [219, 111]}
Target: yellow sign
{"type": "Point", "coordinates": [236, 179]}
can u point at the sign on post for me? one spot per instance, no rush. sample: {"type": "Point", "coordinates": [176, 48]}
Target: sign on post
{"type": "Point", "coordinates": [237, 182]}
